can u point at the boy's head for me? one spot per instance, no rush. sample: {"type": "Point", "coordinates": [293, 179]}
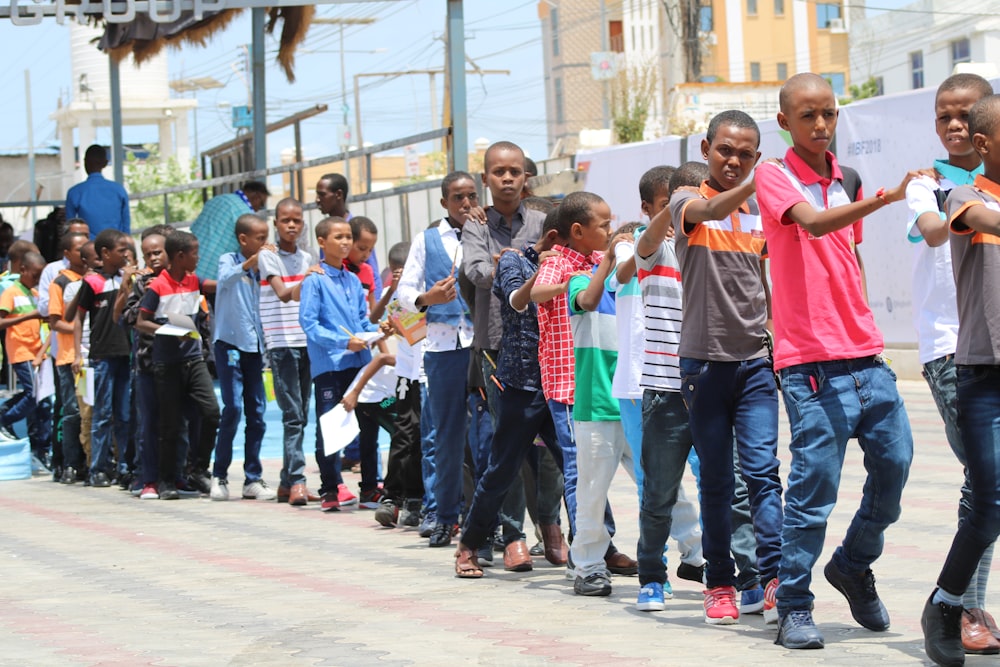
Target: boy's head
{"type": "Point", "coordinates": [331, 195]}
{"type": "Point", "coordinates": [334, 237]}
{"type": "Point", "coordinates": [251, 233]}
{"type": "Point", "coordinates": [154, 252]}
{"type": "Point", "coordinates": [398, 254]}
{"type": "Point", "coordinates": [288, 221]}
{"type": "Point", "coordinates": [90, 257]}
{"type": "Point", "coordinates": [70, 245]}
{"type": "Point", "coordinates": [182, 251]}
{"type": "Point", "coordinates": [540, 204]}
{"type": "Point", "coordinates": [503, 174]}
{"type": "Point", "coordinates": [530, 169]}
{"type": "Point", "coordinates": [730, 149]}
{"type": "Point", "coordinates": [808, 113]}
{"type": "Point", "coordinates": [628, 228]}
{"type": "Point", "coordinates": [95, 159]}
{"type": "Point", "coordinates": [654, 192]}
{"type": "Point", "coordinates": [458, 195]}
{"type": "Point", "coordinates": [131, 258]}
{"type": "Point", "coordinates": [78, 225]}
{"type": "Point", "coordinates": [111, 246]}
{"type": "Point", "coordinates": [690, 174]}
{"type": "Point", "coordinates": [955, 97]}
{"type": "Point", "coordinates": [551, 233]}
{"type": "Point", "coordinates": [161, 229]}
{"type": "Point", "coordinates": [31, 269]}
{"type": "Point", "coordinates": [17, 251]}
{"type": "Point", "coordinates": [365, 235]}
{"type": "Point", "coordinates": [984, 125]}
{"type": "Point", "coordinates": [585, 222]}
{"type": "Point", "coordinates": [256, 193]}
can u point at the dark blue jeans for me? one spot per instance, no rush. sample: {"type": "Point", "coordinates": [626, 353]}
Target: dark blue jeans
{"type": "Point", "coordinates": [70, 424]}
{"type": "Point", "coordinates": [112, 380]}
{"type": "Point", "coordinates": [829, 403]}
{"type": "Point", "coordinates": [447, 373]}
{"type": "Point", "coordinates": [241, 381]}
{"type": "Point", "coordinates": [979, 423]}
{"type": "Point", "coordinates": [666, 442]}
{"type": "Point", "coordinates": [521, 416]}
{"type": "Point", "coordinates": [292, 387]}
{"type": "Point", "coordinates": [427, 436]}
{"type": "Point", "coordinates": [329, 388]}
{"type": "Point", "coordinates": [727, 399]}
{"type": "Point", "coordinates": [24, 406]}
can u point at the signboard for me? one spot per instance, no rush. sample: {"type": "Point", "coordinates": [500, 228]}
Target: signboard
{"type": "Point", "coordinates": [242, 117]}
{"type": "Point", "coordinates": [26, 12]}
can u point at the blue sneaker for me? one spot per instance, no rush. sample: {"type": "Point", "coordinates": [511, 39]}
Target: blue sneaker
{"type": "Point", "coordinates": [650, 597]}
{"type": "Point", "coordinates": [752, 600]}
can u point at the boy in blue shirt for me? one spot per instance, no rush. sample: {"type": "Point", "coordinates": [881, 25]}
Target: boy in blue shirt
{"type": "Point", "coordinates": [331, 302]}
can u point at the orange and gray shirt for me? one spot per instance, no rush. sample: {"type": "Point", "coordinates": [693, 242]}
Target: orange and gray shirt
{"type": "Point", "coordinates": [725, 309]}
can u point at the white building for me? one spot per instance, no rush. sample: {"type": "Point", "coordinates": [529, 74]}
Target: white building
{"type": "Point", "coordinates": [920, 44]}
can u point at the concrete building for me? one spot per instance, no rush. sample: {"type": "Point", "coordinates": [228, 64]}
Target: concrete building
{"type": "Point", "coordinates": [920, 44]}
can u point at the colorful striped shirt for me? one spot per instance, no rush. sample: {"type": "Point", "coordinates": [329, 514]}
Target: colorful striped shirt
{"type": "Point", "coordinates": [24, 339]}
{"type": "Point", "coordinates": [595, 348]}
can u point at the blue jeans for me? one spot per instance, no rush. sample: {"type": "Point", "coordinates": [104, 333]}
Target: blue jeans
{"type": "Point", "coordinates": [330, 388]}
{"type": "Point", "coordinates": [666, 442]}
{"type": "Point", "coordinates": [521, 415]}
{"type": "Point", "coordinates": [829, 403]}
{"type": "Point", "coordinates": [427, 435]}
{"type": "Point", "coordinates": [446, 381]}
{"type": "Point", "coordinates": [241, 380]}
{"type": "Point", "coordinates": [111, 412]}
{"type": "Point", "coordinates": [292, 388]}
{"type": "Point", "coordinates": [979, 423]}
{"type": "Point", "coordinates": [725, 399]}
{"type": "Point", "coordinates": [148, 407]}
{"type": "Point", "coordinates": [70, 424]}
{"type": "Point", "coordinates": [24, 406]}
{"type": "Point", "coordinates": [942, 379]}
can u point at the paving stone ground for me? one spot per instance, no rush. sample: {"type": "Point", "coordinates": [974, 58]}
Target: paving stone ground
{"type": "Point", "coordinates": [96, 577]}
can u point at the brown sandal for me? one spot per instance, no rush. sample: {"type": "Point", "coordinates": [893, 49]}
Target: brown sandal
{"type": "Point", "coordinates": [466, 564]}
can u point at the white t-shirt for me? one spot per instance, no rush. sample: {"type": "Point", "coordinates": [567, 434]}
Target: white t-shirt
{"type": "Point", "coordinates": [631, 330]}
{"type": "Point", "coordinates": [380, 387]}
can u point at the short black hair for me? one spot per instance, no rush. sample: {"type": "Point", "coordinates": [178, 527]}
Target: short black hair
{"type": "Point", "coordinates": [530, 168]}
{"type": "Point", "coordinates": [965, 81]}
{"type": "Point", "coordinates": [18, 248]}
{"type": "Point", "coordinates": [398, 253]}
{"type": "Point", "coordinates": [654, 180]}
{"type": "Point", "coordinates": [629, 228]}
{"type": "Point", "coordinates": [288, 201]}
{"type": "Point", "coordinates": [500, 146]}
{"type": "Point", "coordinates": [733, 117]}
{"type": "Point", "coordinates": [245, 223]}
{"type": "Point", "coordinates": [32, 258]}
{"type": "Point", "coordinates": [454, 177]}
{"type": "Point", "coordinates": [324, 225]}
{"type": "Point", "coordinates": [691, 174]}
{"type": "Point", "coordinates": [540, 204]}
{"type": "Point", "coordinates": [551, 222]}
{"type": "Point", "coordinates": [179, 242]}
{"type": "Point", "coordinates": [255, 186]}
{"type": "Point", "coordinates": [576, 208]}
{"type": "Point", "coordinates": [984, 116]}
{"type": "Point", "coordinates": [799, 82]}
{"type": "Point", "coordinates": [360, 223]}
{"type": "Point", "coordinates": [336, 181]}
{"type": "Point", "coordinates": [107, 238]}
{"type": "Point", "coordinates": [67, 240]}
{"type": "Point", "coordinates": [161, 229]}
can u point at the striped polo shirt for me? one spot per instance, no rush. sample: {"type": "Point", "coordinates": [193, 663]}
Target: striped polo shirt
{"type": "Point", "coordinates": [595, 350]}
{"type": "Point", "coordinates": [660, 283]}
{"type": "Point", "coordinates": [165, 296]}
{"type": "Point", "coordinates": [280, 320]}
{"type": "Point", "coordinates": [725, 310]}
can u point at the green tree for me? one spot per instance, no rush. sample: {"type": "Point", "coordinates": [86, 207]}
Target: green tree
{"type": "Point", "coordinates": [632, 93]}
{"type": "Point", "coordinates": [869, 88]}
{"type": "Point", "coordinates": [155, 173]}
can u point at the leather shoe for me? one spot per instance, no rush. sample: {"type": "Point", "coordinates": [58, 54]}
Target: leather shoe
{"type": "Point", "coordinates": [516, 557]}
{"type": "Point", "coordinates": [991, 623]}
{"type": "Point", "coordinates": [556, 549]}
{"type": "Point", "coordinates": [619, 563]}
{"type": "Point", "coordinates": [298, 495]}
{"type": "Point", "coordinates": [284, 493]}
{"type": "Point", "coordinates": [976, 636]}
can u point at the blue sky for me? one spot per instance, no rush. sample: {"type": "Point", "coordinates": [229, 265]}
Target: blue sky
{"type": "Point", "coordinates": [407, 34]}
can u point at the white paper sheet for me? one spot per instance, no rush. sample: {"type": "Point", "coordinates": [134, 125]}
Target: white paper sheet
{"type": "Point", "coordinates": [172, 330]}
{"type": "Point", "coordinates": [45, 382]}
{"type": "Point", "coordinates": [339, 428]}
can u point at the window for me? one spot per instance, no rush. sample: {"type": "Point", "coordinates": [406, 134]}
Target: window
{"type": "Point", "coordinates": [917, 69]}
{"type": "Point", "coordinates": [554, 27]}
{"type": "Point", "coordinates": [779, 7]}
{"type": "Point", "coordinates": [560, 118]}
{"type": "Point", "coordinates": [706, 22]}
{"type": "Point", "coordinates": [755, 71]}
{"type": "Point", "coordinates": [837, 81]}
{"type": "Point", "coordinates": [960, 52]}
{"type": "Point", "coordinates": [616, 40]}
{"type": "Point", "coordinates": [782, 71]}
{"type": "Point", "coordinates": [751, 7]}
{"type": "Point", "coordinates": [825, 13]}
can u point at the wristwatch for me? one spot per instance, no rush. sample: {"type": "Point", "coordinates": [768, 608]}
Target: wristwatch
{"type": "Point", "coordinates": [530, 252]}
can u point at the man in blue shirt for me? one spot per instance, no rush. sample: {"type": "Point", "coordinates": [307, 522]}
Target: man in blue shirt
{"type": "Point", "coordinates": [216, 224]}
{"type": "Point", "coordinates": [103, 204]}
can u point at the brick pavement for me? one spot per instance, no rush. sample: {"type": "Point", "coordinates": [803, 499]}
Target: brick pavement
{"type": "Point", "coordinates": [95, 577]}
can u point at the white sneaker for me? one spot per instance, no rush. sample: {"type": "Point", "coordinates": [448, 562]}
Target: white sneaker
{"type": "Point", "coordinates": [220, 489]}
{"type": "Point", "coordinates": [258, 490]}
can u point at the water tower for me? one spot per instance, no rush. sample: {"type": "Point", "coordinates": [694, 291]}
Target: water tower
{"type": "Point", "coordinates": [145, 96]}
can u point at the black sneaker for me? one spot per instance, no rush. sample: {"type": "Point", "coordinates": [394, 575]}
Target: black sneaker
{"type": "Point", "coordinates": [200, 482]}
{"type": "Point", "coordinates": [409, 515]}
{"type": "Point", "coordinates": [168, 491]}
{"type": "Point", "coordinates": [99, 480]}
{"type": "Point", "coordinates": [859, 589]}
{"type": "Point", "coordinates": [440, 536]}
{"type": "Point", "coordinates": [387, 513]}
{"type": "Point", "coordinates": [942, 624]}
{"type": "Point", "coordinates": [595, 585]}
{"type": "Point", "coordinates": [797, 630]}
{"type": "Point", "coordinates": [691, 573]}
{"type": "Point", "coordinates": [57, 473]}
{"type": "Point", "coordinates": [8, 432]}
{"type": "Point", "coordinates": [125, 481]}
{"type": "Point", "coordinates": [68, 475]}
